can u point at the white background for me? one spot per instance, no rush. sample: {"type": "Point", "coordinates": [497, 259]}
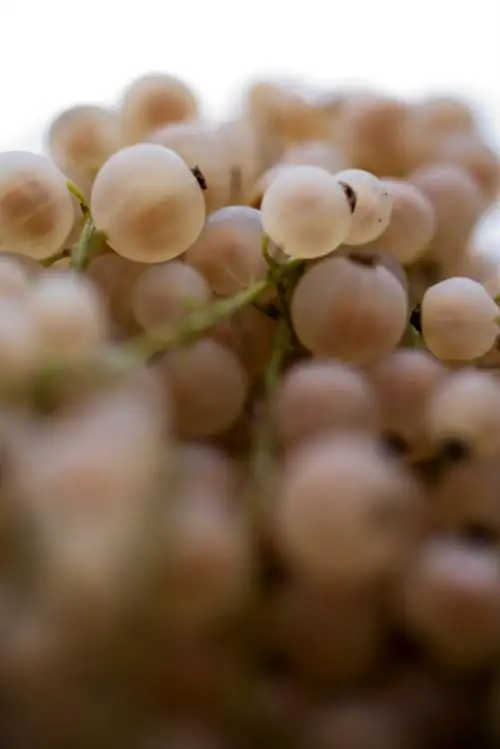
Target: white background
{"type": "Point", "coordinates": [55, 53]}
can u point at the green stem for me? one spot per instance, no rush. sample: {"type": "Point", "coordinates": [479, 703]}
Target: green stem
{"type": "Point", "coordinates": [284, 340]}
{"type": "Point", "coordinates": [143, 347]}
{"type": "Point", "coordinates": [280, 348]}
{"type": "Point", "coordinates": [74, 190]}
{"type": "Point", "coordinates": [415, 339]}
{"type": "Point", "coordinates": [81, 251]}
{"type": "Point", "coordinates": [202, 320]}
{"type": "Point", "coordinates": [245, 709]}
{"type": "Point", "coordinates": [55, 258]}
{"type": "Point", "coordinates": [263, 447]}
{"type": "Point", "coordinates": [272, 264]}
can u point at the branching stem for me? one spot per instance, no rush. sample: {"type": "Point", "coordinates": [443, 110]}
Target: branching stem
{"type": "Point", "coordinates": [198, 322]}
{"type": "Point", "coordinates": [86, 246]}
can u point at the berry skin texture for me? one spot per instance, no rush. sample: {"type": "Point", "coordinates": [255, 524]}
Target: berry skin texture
{"type": "Point", "coordinates": [167, 292]}
{"type": "Point", "coordinates": [70, 319]}
{"type": "Point", "coordinates": [228, 252]}
{"type": "Point", "coordinates": [349, 309]}
{"type": "Point", "coordinates": [153, 101]}
{"type": "Point", "coordinates": [36, 211]}
{"type": "Point", "coordinates": [465, 409]}
{"type": "Point", "coordinates": [451, 601]}
{"type": "Point", "coordinates": [403, 382]}
{"type": "Point", "coordinates": [458, 319]}
{"type": "Point", "coordinates": [82, 138]}
{"type": "Point", "coordinates": [466, 502]}
{"type": "Point", "coordinates": [148, 203]}
{"type": "Point", "coordinates": [346, 513]}
{"type": "Point", "coordinates": [457, 201]}
{"type": "Point", "coordinates": [412, 223]}
{"type": "Point", "coordinates": [208, 387]}
{"type": "Point", "coordinates": [305, 211]}
{"type": "Point", "coordinates": [321, 397]}
{"type": "Point", "coordinates": [200, 146]}
{"type": "Point", "coordinates": [372, 208]}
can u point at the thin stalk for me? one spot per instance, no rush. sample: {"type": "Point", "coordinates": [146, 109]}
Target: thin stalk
{"type": "Point", "coordinates": [202, 320]}
{"type": "Point", "coordinates": [48, 261]}
{"type": "Point", "coordinates": [74, 190]}
{"type": "Point", "coordinates": [82, 250]}
{"type": "Point", "coordinates": [264, 447]}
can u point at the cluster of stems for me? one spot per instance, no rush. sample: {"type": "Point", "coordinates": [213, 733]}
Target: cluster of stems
{"type": "Point", "coordinates": [198, 321]}
{"type": "Point", "coordinates": [282, 277]}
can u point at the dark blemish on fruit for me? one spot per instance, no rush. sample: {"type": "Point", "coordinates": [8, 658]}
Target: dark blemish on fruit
{"type": "Point", "coordinates": [350, 195]}
{"type": "Point", "coordinates": [198, 174]}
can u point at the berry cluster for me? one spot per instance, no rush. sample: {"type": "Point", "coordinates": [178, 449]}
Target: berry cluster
{"type": "Point", "coordinates": [250, 426]}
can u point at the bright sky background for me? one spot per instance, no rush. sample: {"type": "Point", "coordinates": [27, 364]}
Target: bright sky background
{"type": "Point", "coordinates": [54, 53]}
